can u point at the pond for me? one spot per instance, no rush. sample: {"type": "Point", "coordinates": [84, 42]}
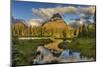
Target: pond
{"type": "Point", "coordinates": [65, 56]}
{"type": "Point", "coordinates": [46, 53]}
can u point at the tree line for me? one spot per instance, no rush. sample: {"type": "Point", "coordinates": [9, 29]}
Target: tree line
{"type": "Point", "coordinates": [21, 30]}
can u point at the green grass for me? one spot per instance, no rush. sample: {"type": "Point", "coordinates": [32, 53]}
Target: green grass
{"type": "Point", "coordinates": [23, 51]}
{"type": "Point", "coordinates": [86, 46]}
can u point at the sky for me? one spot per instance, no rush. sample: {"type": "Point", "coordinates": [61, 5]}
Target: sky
{"type": "Point", "coordinates": [24, 10]}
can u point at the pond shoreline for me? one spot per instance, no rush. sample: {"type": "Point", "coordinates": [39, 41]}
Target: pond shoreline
{"type": "Point", "coordinates": [49, 43]}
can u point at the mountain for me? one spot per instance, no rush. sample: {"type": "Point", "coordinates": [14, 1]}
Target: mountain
{"type": "Point", "coordinates": [55, 17]}
{"type": "Point", "coordinates": [56, 21]}
{"type": "Point", "coordinates": [76, 23]}
{"type": "Point", "coordinates": [14, 20]}
{"type": "Point", "coordinates": [57, 27]}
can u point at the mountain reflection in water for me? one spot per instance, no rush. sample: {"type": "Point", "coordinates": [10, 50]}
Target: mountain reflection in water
{"type": "Point", "coordinates": [46, 56]}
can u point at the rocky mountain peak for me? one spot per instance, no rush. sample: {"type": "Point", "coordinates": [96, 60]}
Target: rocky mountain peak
{"type": "Point", "coordinates": [55, 17]}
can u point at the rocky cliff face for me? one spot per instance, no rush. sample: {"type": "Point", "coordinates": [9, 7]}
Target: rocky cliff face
{"type": "Point", "coordinates": [59, 27]}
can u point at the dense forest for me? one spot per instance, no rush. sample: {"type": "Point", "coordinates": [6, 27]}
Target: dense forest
{"type": "Point", "coordinates": [22, 30]}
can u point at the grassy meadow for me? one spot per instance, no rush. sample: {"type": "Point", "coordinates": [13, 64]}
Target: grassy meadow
{"type": "Point", "coordinates": [86, 46]}
{"type": "Point", "coordinates": [24, 51]}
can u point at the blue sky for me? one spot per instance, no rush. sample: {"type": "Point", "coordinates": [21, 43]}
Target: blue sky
{"type": "Point", "coordinates": [23, 10]}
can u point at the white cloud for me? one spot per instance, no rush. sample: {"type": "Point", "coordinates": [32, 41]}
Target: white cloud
{"type": "Point", "coordinates": [35, 22]}
{"type": "Point", "coordinates": [87, 12]}
{"type": "Point", "coordinates": [46, 13]}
